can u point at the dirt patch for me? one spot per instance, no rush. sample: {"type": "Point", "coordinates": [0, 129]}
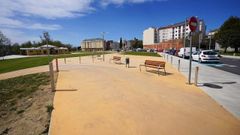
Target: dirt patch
{"type": "Point", "coordinates": [27, 113]}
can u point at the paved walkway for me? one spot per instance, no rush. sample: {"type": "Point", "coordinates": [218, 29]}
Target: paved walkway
{"type": "Point", "coordinates": [24, 72]}
{"type": "Point", "coordinates": [228, 92]}
{"type": "Point", "coordinates": [108, 99]}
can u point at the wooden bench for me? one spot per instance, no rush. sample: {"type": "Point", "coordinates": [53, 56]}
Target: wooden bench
{"type": "Point", "coordinates": [116, 59]}
{"type": "Point", "coordinates": [154, 64]}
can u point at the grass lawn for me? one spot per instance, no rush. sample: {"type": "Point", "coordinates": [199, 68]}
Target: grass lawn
{"type": "Point", "coordinates": [142, 54]}
{"type": "Point", "coordinates": [23, 63]}
{"type": "Point", "coordinates": [25, 100]}
{"type": "Point", "coordinates": [19, 87]}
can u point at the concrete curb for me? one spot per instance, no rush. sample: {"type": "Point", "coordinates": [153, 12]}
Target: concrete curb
{"type": "Point", "coordinates": [233, 57]}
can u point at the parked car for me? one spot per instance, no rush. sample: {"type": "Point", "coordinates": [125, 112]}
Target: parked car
{"type": "Point", "coordinates": [206, 56]}
{"type": "Point", "coordinates": [185, 52]}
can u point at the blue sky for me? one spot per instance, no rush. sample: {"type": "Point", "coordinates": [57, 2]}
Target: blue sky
{"type": "Point", "coordinates": [71, 21]}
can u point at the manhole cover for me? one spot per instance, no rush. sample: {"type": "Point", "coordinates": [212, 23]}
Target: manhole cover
{"type": "Point", "coordinates": [210, 85]}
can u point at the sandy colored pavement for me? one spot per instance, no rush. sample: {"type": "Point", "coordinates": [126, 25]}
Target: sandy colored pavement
{"type": "Point", "coordinates": [109, 99]}
{"type": "Point", "coordinates": [24, 72]}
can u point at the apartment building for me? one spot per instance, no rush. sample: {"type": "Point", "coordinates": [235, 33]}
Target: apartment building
{"type": "Point", "coordinates": [95, 44]}
{"type": "Point", "coordinates": [150, 36]}
{"type": "Point", "coordinates": [168, 33]}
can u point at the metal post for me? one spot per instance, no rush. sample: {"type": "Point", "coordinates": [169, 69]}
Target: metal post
{"type": "Point", "coordinates": [196, 76]}
{"type": "Point", "coordinates": [184, 38]}
{"type": "Point", "coordinates": [190, 60]}
{"type": "Point", "coordinates": [210, 42]}
{"type": "Point", "coordinates": [171, 59]}
{"type": "Point", "coordinates": [179, 65]}
{"type": "Point", "coordinates": [79, 59]}
{"type": "Point", "coordinates": [103, 57]}
{"type": "Point", "coordinates": [51, 76]}
{"type": "Point", "coordinates": [167, 57]}
{"type": "Point", "coordinates": [199, 45]}
{"type": "Point", "coordinates": [57, 65]}
{"type": "Point", "coordinates": [65, 60]}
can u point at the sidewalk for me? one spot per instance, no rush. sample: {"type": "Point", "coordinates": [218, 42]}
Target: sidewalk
{"type": "Point", "coordinates": [228, 92]}
{"type": "Point", "coordinates": [233, 57]}
{"type": "Point", "coordinates": [24, 72]}
{"type": "Point", "coordinates": [109, 99]}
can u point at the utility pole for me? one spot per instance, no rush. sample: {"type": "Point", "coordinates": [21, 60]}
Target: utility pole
{"type": "Point", "coordinates": [103, 35]}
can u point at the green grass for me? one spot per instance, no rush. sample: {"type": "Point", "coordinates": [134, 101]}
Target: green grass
{"type": "Point", "coordinates": [19, 87]}
{"type": "Point", "coordinates": [142, 54]}
{"type": "Point", "coordinates": [23, 63]}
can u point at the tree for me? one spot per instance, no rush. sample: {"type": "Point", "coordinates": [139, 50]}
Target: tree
{"type": "Point", "coordinates": [4, 45]}
{"type": "Point", "coordinates": [120, 44]}
{"type": "Point", "coordinates": [229, 34]}
{"type": "Point", "coordinates": [15, 48]}
{"type": "Point", "coordinates": [135, 43]}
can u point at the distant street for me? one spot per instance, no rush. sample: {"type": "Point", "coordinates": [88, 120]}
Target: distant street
{"type": "Point", "coordinates": [228, 64]}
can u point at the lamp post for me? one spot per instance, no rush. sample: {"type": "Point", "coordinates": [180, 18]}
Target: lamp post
{"type": "Point", "coordinates": [103, 36]}
{"type": "Point", "coordinates": [184, 37]}
{"type": "Point", "coordinates": [47, 38]}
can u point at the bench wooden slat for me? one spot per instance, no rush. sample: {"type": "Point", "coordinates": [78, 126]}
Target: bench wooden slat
{"type": "Point", "coordinates": [116, 58]}
{"type": "Point", "coordinates": [154, 64]}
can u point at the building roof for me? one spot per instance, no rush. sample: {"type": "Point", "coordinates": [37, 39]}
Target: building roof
{"type": "Point", "coordinates": [44, 47]}
{"type": "Point", "coordinates": [93, 39]}
{"type": "Point", "coordinates": [48, 46]}
{"type": "Point", "coordinates": [175, 25]}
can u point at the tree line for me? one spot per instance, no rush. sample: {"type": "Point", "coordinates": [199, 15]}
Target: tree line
{"type": "Point", "coordinates": [7, 48]}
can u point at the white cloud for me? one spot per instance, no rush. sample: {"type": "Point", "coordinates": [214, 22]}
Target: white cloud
{"type": "Point", "coordinates": [17, 36]}
{"type": "Point", "coordinates": [50, 9]}
{"type": "Point", "coordinates": [13, 23]}
{"type": "Point", "coordinates": [12, 10]}
{"type": "Point", "coordinates": [39, 26]}
{"type": "Point", "coordinates": [120, 2]}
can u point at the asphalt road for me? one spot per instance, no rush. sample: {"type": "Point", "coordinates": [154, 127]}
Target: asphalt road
{"type": "Point", "coordinates": [228, 64]}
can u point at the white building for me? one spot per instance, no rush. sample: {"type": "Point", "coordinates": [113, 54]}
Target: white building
{"type": "Point", "coordinates": [178, 30]}
{"type": "Point", "coordinates": [170, 32]}
{"type": "Point", "coordinates": [150, 36]}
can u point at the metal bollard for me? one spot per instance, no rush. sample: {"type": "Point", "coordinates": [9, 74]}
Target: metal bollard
{"type": "Point", "coordinates": [51, 76]}
{"type": "Point", "coordinates": [103, 57]}
{"type": "Point", "coordinates": [196, 76]}
{"type": "Point", "coordinates": [92, 58]}
{"type": "Point", "coordinates": [179, 65]}
{"type": "Point", "coordinates": [79, 59]}
{"type": "Point", "coordinates": [167, 57]}
{"type": "Point", "coordinates": [57, 65]}
{"type": "Point", "coordinates": [171, 59]}
{"type": "Point", "coordinates": [65, 60]}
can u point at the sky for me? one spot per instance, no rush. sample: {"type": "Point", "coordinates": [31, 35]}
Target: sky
{"type": "Point", "coordinates": [71, 21]}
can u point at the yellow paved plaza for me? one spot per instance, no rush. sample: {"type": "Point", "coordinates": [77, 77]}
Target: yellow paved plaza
{"type": "Point", "coordinates": [103, 98]}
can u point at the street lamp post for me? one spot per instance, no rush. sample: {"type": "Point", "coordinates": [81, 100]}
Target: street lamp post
{"type": "Point", "coordinates": [184, 37]}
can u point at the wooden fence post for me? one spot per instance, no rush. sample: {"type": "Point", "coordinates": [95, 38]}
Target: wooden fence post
{"type": "Point", "coordinates": [51, 72]}
{"type": "Point", "coordinates": [57, 65]}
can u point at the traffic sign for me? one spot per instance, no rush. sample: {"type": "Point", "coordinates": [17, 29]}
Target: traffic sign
{"type": "Point", "coordinates": [193, 24]}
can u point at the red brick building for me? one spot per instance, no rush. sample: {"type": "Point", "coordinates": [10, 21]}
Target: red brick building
{"type": "Point", "coordinates": [176, 44]}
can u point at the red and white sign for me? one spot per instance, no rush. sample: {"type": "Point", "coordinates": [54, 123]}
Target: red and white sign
{"type": "Point", "coordinates": [193, 24]}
